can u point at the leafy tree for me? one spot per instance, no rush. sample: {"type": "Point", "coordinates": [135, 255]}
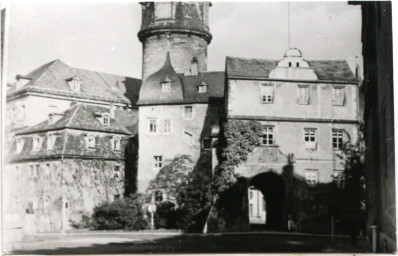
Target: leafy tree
{"type": "Point", "coordinates": [126, 213]}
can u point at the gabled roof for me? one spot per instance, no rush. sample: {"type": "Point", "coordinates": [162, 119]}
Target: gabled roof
{"type": "Point", "coordinates": [326, 70]}
{"type": "Point", "coordinates": [184, 88]}
{"type": "Point", "coordinates": [52, 78]}
{"type": "Point", "coordinates": [80, 117]}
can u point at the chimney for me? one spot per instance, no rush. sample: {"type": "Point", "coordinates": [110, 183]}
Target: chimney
{"type": "Point", "coordinates": [112, 110]}
{"type": "Point", "coordinates": [194, 66]}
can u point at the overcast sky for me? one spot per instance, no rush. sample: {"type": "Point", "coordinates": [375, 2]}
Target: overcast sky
{"type": "Point", "coordinates": [103, 36]}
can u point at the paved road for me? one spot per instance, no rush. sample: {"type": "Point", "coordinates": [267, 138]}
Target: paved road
{"type": "Point", "coordinates": [179, 243]}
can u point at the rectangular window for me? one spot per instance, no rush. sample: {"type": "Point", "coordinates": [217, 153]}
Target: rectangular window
{"type": "Point", "coordinates": [337, 139]}
{"type": "Point", "coordinates": [36, 143]}
{"type": "Point", "coordinates": [202, 88]}
{"type": "Point", "coordinates": [50, 141]}
{"type": "Point", "coordinates": [188, 138]}
{"type": "Point", "coordinates": [311, 178]}
{"type": "Point", "coordinates": [303, 94]}
{"type": "Point", "coordinates": [116, 172]}
{"type": "Point", "coordinates": [267, 93]}
{"type": "Point", "coordinates": [166, 126]}
{"type": "Point", "coordinates": [166, 87]}
{"type": "Point", "coordinates": [268, 135]}
{"type": "Point", "coordinates": [339, 178]}
{"type": "Point", "coordinates": [91, 141]}
{"type": "Point", "coordinates": [310, 139]}
{"type": "Point", "coordinates": [158, 162]}
{"type": "Point", "coordinates": [188, 112]}
{"type": "Point", "coordinates": [152, 123]}
{"type": "Point", "coordinates": [116, 143]}
{"type": "Point", "coordinates": [338, 96]}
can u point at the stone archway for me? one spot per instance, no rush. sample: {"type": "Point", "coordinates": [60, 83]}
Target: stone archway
{"type": "Point", "coordinates": [272, 186]}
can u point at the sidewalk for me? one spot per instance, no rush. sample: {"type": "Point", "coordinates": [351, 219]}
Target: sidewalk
{"type": "Point", "coordinates": [345, 245]}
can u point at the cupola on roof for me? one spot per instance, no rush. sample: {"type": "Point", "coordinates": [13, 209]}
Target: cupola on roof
{"type": "Point", "coordinates": [293, 52]}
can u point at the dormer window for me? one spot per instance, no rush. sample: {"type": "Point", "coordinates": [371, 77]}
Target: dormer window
{"type": "Point", "coordinates": [116, 143]}
{"type": "Point", "coordinates": [106, 120]}
{"type": "Point", "coordinates": [36, 143]}
{"type": "Point", "coordinates": [19, 147]}
{"type": "Point", "coordinates": [74, 84]}
{"type": "Point", "coordinates": [202, 87]}
{"type": "Point", "coordinates": [51, 141]}
{"type": "Point", "coordinates": [90, 140]}
{"type": "Point", "coordinates": [166, 86]}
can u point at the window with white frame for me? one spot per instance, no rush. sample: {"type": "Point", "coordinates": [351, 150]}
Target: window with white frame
{"type": "Point", "coordinates": [267, 93]}
{"type": "Point", "coordinates": [152, 126]}
{"type": "Point", "coordinates": [19, 147]}
{"type": "Point", "coordinates": [166, 86]}
{"type": "Point", "coordinates": [188, 112]}
{"type": "Point", "coordinates": [116, 172]}
{"type": "Point", "coordinates": [74, 84]}
{"type": "Point", "coordinates": [268, 136]}
{"type": "Point", "coordinates": [202, 88]}
{"type": "Point", "coordinates": [106, 119]}
{"type": "Point", "coordinates": [91, 141]}
{"type": "Point", "coordinates": [188, 138]}
{"type": "Point", "coordinates": [163, 10]}
{"type": "Point", "coordinates": [166, 126]}
{"type": "Point", "coordinates": [338, 95]}
{"type": "Point", "coordinates": [303, 94]}
{"type": "Point", "coordinates": [116, 143]}
{"type": "Point", "coordinates": [157, 162]}
{"type": "Point", "coordinates": [50, 141]}
{"type": "Point", "coordinates": [337, 138]}
{"type": "Point", "coordinates": [36, 143]}
{"type": "Point", "coordinates": [36, 170]}
{"type": "Point", "coordinates": [158, 196]}
{"type": "Point", "coordinates": [310, 138]}
{"type": "Point", "coordinates": [311, 178]}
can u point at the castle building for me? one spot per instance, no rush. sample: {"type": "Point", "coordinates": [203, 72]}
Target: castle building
{"type": "Point", "coordinates": [179, 100]}
{"type": "Point", "coordinates": [52, 88]}
{"type": "Point", "coordinates": [64, 166]}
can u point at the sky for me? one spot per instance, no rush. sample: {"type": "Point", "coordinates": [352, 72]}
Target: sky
{"type": "Point", "coordinates": [102, 36]}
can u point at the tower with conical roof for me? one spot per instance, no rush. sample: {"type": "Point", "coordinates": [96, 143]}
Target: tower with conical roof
{"type": "Point", "coordinates": [181, 28]}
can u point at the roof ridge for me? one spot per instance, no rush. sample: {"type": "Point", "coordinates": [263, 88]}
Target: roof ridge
{"type": "Point", "coordinates": [105, 73]}
{"type": "Point", "coordinates": [243, 58]}
{"type": "Point", "coordinates": [73, 116]}
{"type": "Point", "coordinates": [48, 68]}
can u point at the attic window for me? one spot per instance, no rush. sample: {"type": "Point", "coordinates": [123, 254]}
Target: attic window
{"type": "Point", "coordinates": [50, 141]}
{"type": "Point", "coordinates": [106, 119]}
{"type": "Point", "coordinates": [202, 87]}
{"type": "Point", "coordinates": [166, 86]}
{"type": "Point", "coordinates": [74, 84]}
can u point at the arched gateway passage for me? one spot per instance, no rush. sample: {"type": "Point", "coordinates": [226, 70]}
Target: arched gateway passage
{"type": "Point", "coordinates": [272, 187]}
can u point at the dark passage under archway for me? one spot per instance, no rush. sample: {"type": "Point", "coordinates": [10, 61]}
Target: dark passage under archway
{"type": "Point", "coordinates": [272, 187]}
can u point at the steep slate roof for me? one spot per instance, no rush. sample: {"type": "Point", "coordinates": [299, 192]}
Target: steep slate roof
{"type": "Point", "coordinates": [184, 88]}
{"type": "Point", "coordinates": [326, 70]}
{"type": "Point", "coordinates": [80, 117]}
{"type": "Point", "coordinates": [51, 78]}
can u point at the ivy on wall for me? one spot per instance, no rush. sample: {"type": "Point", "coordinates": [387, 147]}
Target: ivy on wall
{"type": "Point", "coordinates": [237, 140]}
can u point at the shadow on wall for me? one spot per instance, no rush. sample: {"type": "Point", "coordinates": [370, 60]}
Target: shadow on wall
{"type": "Point", "coordinates": [132, 88]}
{"type": "Point", "coordinates": [131, 166]}
{"type": "Point", "coordinates": [310, 209]}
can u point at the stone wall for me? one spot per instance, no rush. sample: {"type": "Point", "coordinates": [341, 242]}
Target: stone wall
{"type": "Point", "coordinates": [182, 48]}
{"type": "Point", "coordinates": [77, 185]}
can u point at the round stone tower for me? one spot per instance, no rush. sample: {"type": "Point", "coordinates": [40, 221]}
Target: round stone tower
{"type": "Point", "coordinates": [181, 28]}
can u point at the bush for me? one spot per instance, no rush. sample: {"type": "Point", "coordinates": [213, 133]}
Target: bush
{"type": "Point", "coordinates": [126, 213]}
{"type": "Point", "coordinates": [166, 215]}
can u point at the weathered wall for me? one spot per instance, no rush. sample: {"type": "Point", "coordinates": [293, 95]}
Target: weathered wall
{"type": "Point", "coordinates": [182, 48]}
{"type": "Point", "coordinates": [82, 183]}
{"type": "Point", "coordinates": [171, 144]}
{"type": "Point", "coordinates": [244, 98]}
{"type": "Point", "coordinates": [289, 139]}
